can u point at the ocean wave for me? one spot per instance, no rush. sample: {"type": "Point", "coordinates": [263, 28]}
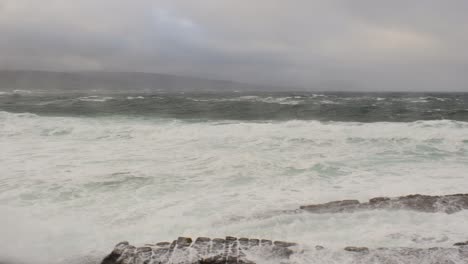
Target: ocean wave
{"type": "Point", "coordinates": [333, 107]}
{"type": "Point", "coordinates": [95, 98]}
{"type": "Point", "coordinates": [16, 92]}
{"type": "Point", "coordinates": [81, 184]}
{"type": "Point", "coordinates": [135, 97]}
{"type": "Point", "coordinates": [22, 92]}
{"type": "Point", "coordinates": [288, 100]}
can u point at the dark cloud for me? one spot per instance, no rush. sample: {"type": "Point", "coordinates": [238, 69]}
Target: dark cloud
{"type": "Point", "coordinates": [362, 44]}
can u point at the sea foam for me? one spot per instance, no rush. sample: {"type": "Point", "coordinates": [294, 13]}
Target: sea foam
{"type": "Point", "coordinates": [74, 186]}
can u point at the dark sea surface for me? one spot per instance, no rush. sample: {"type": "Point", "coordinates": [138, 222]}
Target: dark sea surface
{"type": "Point", "coordinates": [356, 107]}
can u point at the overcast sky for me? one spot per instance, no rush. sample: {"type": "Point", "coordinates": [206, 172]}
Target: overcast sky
{"type": "Point", "coordinates": [350, 44]}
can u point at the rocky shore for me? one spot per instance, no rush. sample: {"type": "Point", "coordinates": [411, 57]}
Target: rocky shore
{"type": "Point", "coordinates": [231, 250]}
{"type": "Point", "coordinates": [202, 250]}
{"type": "Point", "coordinates": [422, 203]}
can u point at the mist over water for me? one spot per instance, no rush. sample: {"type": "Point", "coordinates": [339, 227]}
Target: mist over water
{"type": "Point", "coordinates": [82, 172]}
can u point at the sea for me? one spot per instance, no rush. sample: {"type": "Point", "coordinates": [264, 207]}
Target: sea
{"type": "Point", "coordinates": [83, 171]}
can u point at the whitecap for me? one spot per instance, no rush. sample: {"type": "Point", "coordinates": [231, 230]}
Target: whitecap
{"type": "Point", "coordinates": [22, 92]}
{"type": "Point", "coordinates": [95, 98]}
{"type": "Point", "coordinates": [135, 97]}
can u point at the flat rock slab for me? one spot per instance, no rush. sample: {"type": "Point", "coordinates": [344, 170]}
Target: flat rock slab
{"type": "Point", "coordinates": [203, 250]}
{"type": "Point", "coordinates": [422, 203]}
{"type": "Point", "coordinates": [232, 250]}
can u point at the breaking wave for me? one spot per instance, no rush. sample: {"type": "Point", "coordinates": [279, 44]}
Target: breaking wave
{"type": "Point", "coordinates": [74, 186]}
{"type": "Point", "coordinates": [81, 172]}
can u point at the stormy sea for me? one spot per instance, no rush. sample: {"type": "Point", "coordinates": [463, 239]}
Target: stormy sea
{"type": "Point", "coordinates": [81, 172]}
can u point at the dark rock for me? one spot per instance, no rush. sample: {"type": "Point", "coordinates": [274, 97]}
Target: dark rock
{"type": "Point", "coordinates": [243, 242]}
{"type": "Point", "coordinates": [254, 242]}
{"type": "Point", "coordinates": [378, 200]}
{"type": "Point", "coordinates": [203, 240]}
{"type": "Point", "coordinates": [218, 251]}
{"type": "Point", "coordinates": [284, 244]}
{"type": "Point", "coordinates": [143, 255]}
{"type": "Point", "coordinates": [202, 245]}
{"type": "Point", "coordinates": [281, 252]}
{"type": "Point", "coordinates": [184, 242]}
{"type": "Point", "coordinates": [144, 249]}
{"type": "Point", "coordinates": [163, 244]}
{"type": "Point", "coordinates": [111, 258]}
{"type": "Point", "coordinates": [218, 244]}
{"type": "Point", "coordinates": [128, 255]}
{"type": "Point", "coordinates": [318, 247]}
{"type": "Point", "coordinates": [245, 261]}
{"type": "Point", "coordinates": [357, 249]}
{"type": "Point", "coordinates": [231, 249]}
{"type": "Point", "coordinates": [235, 251]}
{"type": "Point", "coordinates": [230, 238]}
{"type": "Point", "coordinates": [332, 207]}
{"type": "Point", "coordinates": [204, 250]}
{"type": "Point", "coordinates": [422, 203]}
{"type": "Point", "coordinates": [461, 244]}
{"type": "Point", "coordinates": [172, 245]}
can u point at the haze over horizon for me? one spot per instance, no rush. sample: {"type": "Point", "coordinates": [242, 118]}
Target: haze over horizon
{"type": "Point", "coordinates": [360, 45]}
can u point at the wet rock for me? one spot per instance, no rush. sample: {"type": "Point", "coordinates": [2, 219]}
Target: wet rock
{"type": "Point", "coordinates": [357, 249]}
{"type": "Point", "coordinates": [143, 255]}
{"type": "Point", "coordinates": [231, 249]}
{"type": "Point", "coordinates": [128, 255]}
{"type": "Point", "coordinates": [284, 244]}
{"type": "Point", "coordinates": [378, 200]}
{"type": "Point", "coordinates": [202, 245]}
{"type": "Point", "coordinates": [218, 252]}
{"type": "Point", "coordinates": [422, 203]}
{"type": "Point", "coordinates": [281, 252]}
{"type": "Point", "coordinates": [163, 244]}
{"type": "Point", "coordinates": [254, 242]}
{"type": "Point", "coordinates": [144, 249]}
{"type": "Point", "coordinates": [243, 243]}
{"type": "Point", "coordinates": [230, 238]}
{"type": "Point", "coordinates": [265, 242]}
{"type": "Point", "coordinates": [245, 261]}
{"type": "Point", "coordinates": [332, 207]}
{"type": "Point", "coordinates": [116, 253]}
{"type": "Point", "coordinates": [243, 251]}
{"type": "Point", "coordinates": [184, 242]}
{"type": "Point", "coordinates": [461, 244]}
{"type": "Point", "coordinates": [204, 250]}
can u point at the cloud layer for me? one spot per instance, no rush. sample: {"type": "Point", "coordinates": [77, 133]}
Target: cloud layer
{"type": "Point", "coordinates": [333, 44]}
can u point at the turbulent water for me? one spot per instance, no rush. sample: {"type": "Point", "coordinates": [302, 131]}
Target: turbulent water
{"type": "Point", "coordinates": [82, 172]}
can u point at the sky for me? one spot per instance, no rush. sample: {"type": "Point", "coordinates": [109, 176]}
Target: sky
{"type": "Point", "coordinates": [418, 45]}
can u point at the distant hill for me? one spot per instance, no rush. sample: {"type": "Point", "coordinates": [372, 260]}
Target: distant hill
{"type": "Point", "coordinates": [115, 82]}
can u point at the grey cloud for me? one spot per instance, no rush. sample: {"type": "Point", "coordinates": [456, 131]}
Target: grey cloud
{"type": "Point", "coordinates": [362, 44]}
